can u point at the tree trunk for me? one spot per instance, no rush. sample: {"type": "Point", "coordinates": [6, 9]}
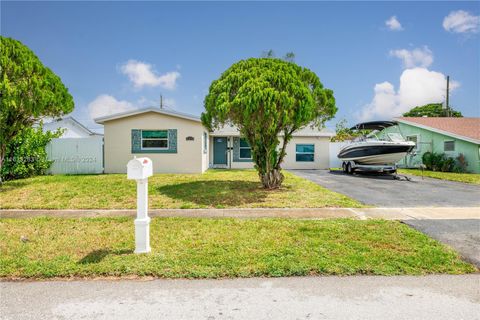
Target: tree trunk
{"type": "Point", "coordinates": [272, 179]}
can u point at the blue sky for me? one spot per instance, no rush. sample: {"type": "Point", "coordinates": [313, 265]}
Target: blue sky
{"type": "Point", "coordinates": [115, 56]}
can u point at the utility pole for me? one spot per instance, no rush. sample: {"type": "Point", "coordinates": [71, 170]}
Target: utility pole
{"type": "Point", "coordinates": [161, 102]}
{"type": "Point", "coordinates": [447, 107]}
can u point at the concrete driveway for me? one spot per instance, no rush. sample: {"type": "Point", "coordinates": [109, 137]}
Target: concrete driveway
{"type": "Point", "coordinates": [383, 191]}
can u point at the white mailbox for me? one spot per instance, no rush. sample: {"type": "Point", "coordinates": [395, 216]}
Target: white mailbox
{"type": "Point", "coordinates": [139, 168]}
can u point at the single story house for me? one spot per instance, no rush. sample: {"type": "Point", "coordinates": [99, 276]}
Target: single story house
{"type": "Point", "coordinates": [179, 143]}
{"type": "Point", "coordinates": [451, 136]}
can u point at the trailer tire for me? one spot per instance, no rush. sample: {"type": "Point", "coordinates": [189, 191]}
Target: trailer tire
{"type": "Point", "coordinates": [344, 167]}
{"type": "Point", "coordinates": [349, 168]}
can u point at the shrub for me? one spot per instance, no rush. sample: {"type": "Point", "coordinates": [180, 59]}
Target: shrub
{"type": "Point", "coordinates": [461, 164]}
{"type": "Point", "coordinates": [448, 164]}
{"type": "Point", "coordinates": [26, 155]}
{"type": "Point", "coordinates": [440, 162]}
{"type": "Point", "coordinates": [427, 160]}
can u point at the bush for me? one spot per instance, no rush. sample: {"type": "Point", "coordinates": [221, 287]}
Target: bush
{"type": "Point", "coordinates": [26, 155]}
{"type": "Point", "coordinates": [427, 160]}
{"type": "Point", "coordinates": [440, 162]}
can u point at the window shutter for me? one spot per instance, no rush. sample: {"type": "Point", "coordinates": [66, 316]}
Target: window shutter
{"type": "Point", "coordinates": [172, 140]}
{"type": "Point", "coordinates": [136, 141]}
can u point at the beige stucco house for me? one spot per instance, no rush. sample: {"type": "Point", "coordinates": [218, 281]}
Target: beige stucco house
{"type": "Point", "coordinates": [178, 143]}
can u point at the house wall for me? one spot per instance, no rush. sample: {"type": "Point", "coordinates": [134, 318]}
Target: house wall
{"type": "Point", "coordinates": [433, 142]}
{"type": "Point", "coordinates": [189, 157]}
{"type": "Point", "coordinates": [321, 157]}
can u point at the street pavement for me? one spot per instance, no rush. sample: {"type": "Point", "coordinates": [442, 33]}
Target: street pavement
{"type": "Point", "coordinates": [361, 297]}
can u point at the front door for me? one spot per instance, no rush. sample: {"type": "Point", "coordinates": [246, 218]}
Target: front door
{"type": "Point", "coordinates": [220, 150]}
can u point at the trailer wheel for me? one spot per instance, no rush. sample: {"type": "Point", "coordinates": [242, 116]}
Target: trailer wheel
{"type": "Point", "coordinates": [344, 167]}
{"type": "Point", "coordinates": [349, 168]}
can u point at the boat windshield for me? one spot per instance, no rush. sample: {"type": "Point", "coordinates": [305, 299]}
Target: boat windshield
{"type": "Point", "coordinates": [392, 134]}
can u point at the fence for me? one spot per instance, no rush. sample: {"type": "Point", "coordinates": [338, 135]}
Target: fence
{"type": "Point", "coordinates": [76, 155]}
{"type": "Point", "coordinates": [334, 148]}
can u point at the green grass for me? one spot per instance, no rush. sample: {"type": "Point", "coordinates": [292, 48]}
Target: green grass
{"type": "Point", "coordinates": [212, 248]}
{"type": "Point", "coordinates": [452, 176]}
{"type": "Point", "coordinates": [213, 189]}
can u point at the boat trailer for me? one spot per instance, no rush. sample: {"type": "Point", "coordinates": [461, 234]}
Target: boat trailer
{"type": "Point", "coordinates": [350, 167]}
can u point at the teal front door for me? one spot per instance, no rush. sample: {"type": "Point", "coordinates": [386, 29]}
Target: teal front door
{"type": "Point", "coordinates": [220, 150]}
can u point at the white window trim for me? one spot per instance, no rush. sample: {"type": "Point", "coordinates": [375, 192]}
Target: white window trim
{"type": "Point", "coordinates": [454, 145]}
{"type": "Point", "coordinates": [154, 148]}
{"type": "Point", "coordinates": [240, 148]}
{"type": "Point", "coordinates": [305, 144]}
{"type": "Point", "coordinates": [417, 144]}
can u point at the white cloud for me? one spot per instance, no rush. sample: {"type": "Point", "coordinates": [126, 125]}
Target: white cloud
{"type": "Point", "coordinates": [418, 86]}
{"type": "Point", "coordinates": [419, 57]}
{"type": "Point", "coordinates": [105, 105]}
{"type": "Point", "coordinates": [461, 22]}
{"type": "Point", "coordinates": [142, 74]}
{"type": "Point", "coordinates": [394, 24]}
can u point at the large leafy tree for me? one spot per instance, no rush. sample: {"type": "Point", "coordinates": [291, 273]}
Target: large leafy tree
{"type": "Point", "coordinates": [432, 110]}
{"type": "Point", "coordinates": [268, 100]}
{"type": "Point", "coordinates": [29, 91]}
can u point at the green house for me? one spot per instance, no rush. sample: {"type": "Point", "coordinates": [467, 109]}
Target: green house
{"type": "Point", "coordinates": [452, 136]}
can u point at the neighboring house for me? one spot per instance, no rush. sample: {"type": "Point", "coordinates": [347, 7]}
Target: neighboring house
{"type": "Point", "coordinates": [71, 128]}
{"type": "Point", "coordinates": [179, 143]}
{"type": "Point", "coordinates": [77, 151]}
{"type": "Point", "coordinates": [451, 136]}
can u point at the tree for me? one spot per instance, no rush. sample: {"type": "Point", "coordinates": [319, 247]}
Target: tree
{"type": "Point", "coordinates": [28, 92]}
{"type": "Point", "coordinates": [432, 110]}
{"type": "Point", "coordinates": [342, 132]}
{"type": "Point", "coordinates": [25, 155]}
{"type": "Point", "coordinates": [266, 98]}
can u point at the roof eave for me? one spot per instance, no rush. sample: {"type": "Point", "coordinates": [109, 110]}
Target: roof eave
{"type": "Point", "coordinates": [102, 120]}
{"type": "Point", "coordinates": [454, 135]}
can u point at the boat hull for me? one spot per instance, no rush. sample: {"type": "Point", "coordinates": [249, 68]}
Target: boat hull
{"type": "Point", "coordinates": [375, 154]}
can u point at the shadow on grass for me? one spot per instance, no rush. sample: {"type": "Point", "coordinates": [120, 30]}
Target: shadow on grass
{"type": "Point", "coordinates": [218, 193]}
{"type": "Point", "coordinates": [98, 255]}
{"type": "Point", "coordinates": [12, 185]}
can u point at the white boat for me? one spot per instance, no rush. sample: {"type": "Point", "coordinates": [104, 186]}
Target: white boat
{"type": "Point", "coordinates": [379, 147]}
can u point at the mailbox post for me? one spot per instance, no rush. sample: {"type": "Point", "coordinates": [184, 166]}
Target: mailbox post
{"type": "Point", "coordinates": [140, 169]}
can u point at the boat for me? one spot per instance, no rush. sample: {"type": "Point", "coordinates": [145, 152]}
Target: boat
{"type": "Point", "coordinates": [382, 144]}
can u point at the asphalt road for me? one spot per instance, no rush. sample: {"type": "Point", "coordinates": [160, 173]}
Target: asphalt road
{"type": "Point", "coordinates": [431, 297]}
{"type": "Point", "coordinates": [463, 235]}
{"type": "Point", "coordinates": [383, 191]}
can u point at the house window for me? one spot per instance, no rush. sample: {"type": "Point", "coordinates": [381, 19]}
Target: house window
{"type": "Point", "coordinates": [305, 152]}
{"type": "Point", "coordinates": [154, 139]}
{"type": "Point", "coordinates": [449, 145]}
{"type": "Point", "coordinates": [245, 150]}
{"type": "Point", "coordinates": [414, 139]}
{"type": "Point", "coordinates": [205, 142]}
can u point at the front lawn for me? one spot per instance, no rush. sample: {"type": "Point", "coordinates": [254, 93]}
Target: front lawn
{"type": "Point", "coordinates": [213, 189]}
{"type": "Point", "coordinates": [212, 248]}
{"type": "Point", "coordinates": [452, 176]}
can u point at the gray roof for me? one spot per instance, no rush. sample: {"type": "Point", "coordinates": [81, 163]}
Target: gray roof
{"type": "Point", "coordinates": [145, 110]}
{"type": "Point", "coordinates": [225, 131]}
{"type": "Point", "coordinates": [304, 132]}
